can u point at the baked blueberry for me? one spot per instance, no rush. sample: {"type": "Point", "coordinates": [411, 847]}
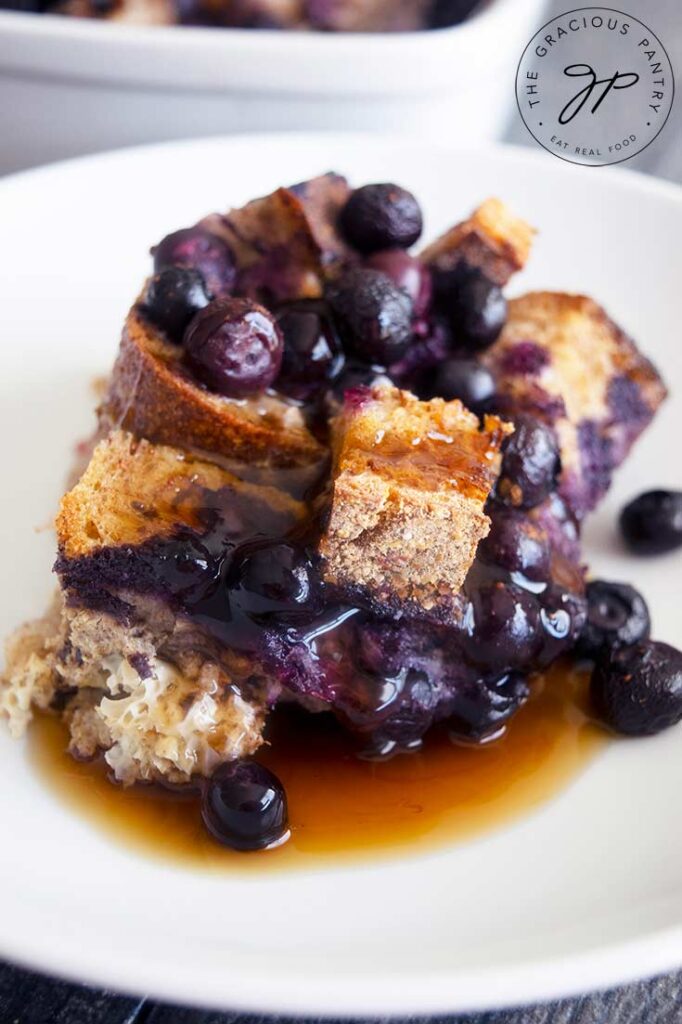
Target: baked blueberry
{"type": "Point", "coordinates": [354, 375]}
{"type": "Point", "coordinates": [475, 307]}
{"type": "Point", "coordinates": [530, 464]}
{"type": "Point", "coordinates": [638, 690]}
{"type": "Point", "coordinates": [272, 579]}
{"type": "Point", "coordinates": [380, 217]}
{"type": "Point", "coordinates": [407, 273]}
{"type": "Point", "coordinates": [235, 347]}
{"type": "Point", "coordinates": [517, 545]}
{"type": "Point", "coordinates": [243, 805]}
{"type": "Point", "coordinates": [313, 356]}
{"type": "Point", "coordinates": [374, 318]}
{"type": "Point", "coordinates": [467, 380]}
{"type": "Point", "coordinates": [172, 298]}
{"type": "Point", "coordinates": [652, 523]}
{"type": "Point", "coordinates": [195, 247]}
{"type": "Point", "coordinates": [482, 708]}
{"type": "Point", "coordinates": [502, 627]}
{"type": "Point", "coordinates": [617, 616]}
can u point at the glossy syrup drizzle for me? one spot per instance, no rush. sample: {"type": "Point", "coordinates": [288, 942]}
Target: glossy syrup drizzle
{"type": "Point", "coordinates": [342, 807]}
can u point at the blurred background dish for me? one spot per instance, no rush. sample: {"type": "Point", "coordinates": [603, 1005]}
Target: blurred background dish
{"type": "Point", "coordinates": [80, 85]}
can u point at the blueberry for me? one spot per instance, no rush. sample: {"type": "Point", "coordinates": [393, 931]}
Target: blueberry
{"type": "Point", "coordinates": [502, 627]}
{"type": "Point", "coordinates": [407, 273]}
{"type": "Point", "coordinates": [203, 251]}
{"type": "Point", "coordinates": [530, 464]}
{"type": "Point", "coordinates": [353, 376]}
{"type": "Point", "coordinates": [475, 307]}
{"type": "Point", "coordinates": [172, 298]}
{"type": "Point", "coordinates": [652, 523]}
{"type": "Point", "coordinates": [312, 355]}
{"type": "Point", "coordinates": [373, 317]}
{"type": "Point", "coordinates": [244, 806]}
{"type": "Point", "coordinates": [235, 347]}
{"type": "Point", "coordinates": [517, 545]}
{"type": "Point", "coordinates": [563, 614]}
{"type": "Point", "coordinates": [617, 616]}
{"type": "Point", "coordinates": [482, 709]}
{"type": "Point", "coordinates": [467, 380]}
{"type": "Point", "coordinates": [273, 579]}
{"type": "Point", "coordinates": [381, 217]}
{"type": "Point", "coordinates": [638, 689]}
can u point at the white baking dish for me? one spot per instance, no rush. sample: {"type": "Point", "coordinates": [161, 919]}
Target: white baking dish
{"type": "Point", "coordinates": [70, 86]}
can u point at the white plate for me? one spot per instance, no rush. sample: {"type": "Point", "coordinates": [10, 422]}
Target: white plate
{"type": "Point", "coordinates": [587, 891]}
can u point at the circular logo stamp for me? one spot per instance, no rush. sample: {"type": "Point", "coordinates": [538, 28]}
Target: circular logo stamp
{"type": "Point", "coordinates": [595, 86]}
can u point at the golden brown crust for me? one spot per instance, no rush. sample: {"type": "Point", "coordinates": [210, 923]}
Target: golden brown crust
{"type": "Point", "coordinates": [151, 395]}
{"type": "Point", "coordinates": [410, 481]}
{"type": "Point", "coordinates": [133, 491]}
{"type": "Point", "coordinates": [492, 239]}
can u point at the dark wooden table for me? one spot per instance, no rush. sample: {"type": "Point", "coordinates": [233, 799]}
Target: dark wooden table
{"type": "Point", "coordinates": [30, 999]}
{"type": "Point", "coordinates": [27, 998]}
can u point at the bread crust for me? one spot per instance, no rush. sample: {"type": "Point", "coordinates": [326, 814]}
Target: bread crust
{"type": "Point", "coordinates": [151, 395]}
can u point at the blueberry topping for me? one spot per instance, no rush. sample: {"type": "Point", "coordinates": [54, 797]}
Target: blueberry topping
{"type": "Point", "coordinates": [273, 579]}
{"type": "Point", "coordinates": [312, 356]}
{"type": "Point", "coordinates": [475, 307]}
{"type": "Point", "coordinates": [381, 217]}
{"type": "Point", "coordinates": [638, 690]}
{"type": "Point", "coordinates": [530, 464]}
{"type": "Point", "coordinates": [235, 347]}
{"type": "Point", "coordinates": [517, 545]}
{"type": "Point", "coordinates": [244, 806]}
{"type": "Point", "coordinates": [172, 298]}
{"type": "Point", "coordinates": [373, 317]}
{"type": "Point", "coordinates": [482, 709]}
{"type": "Point", "coordinates": [652, 523]}
{"type": "Point", "coordinates": [502, 627]}
{"type": "Point", "coordinates": [467, 380]}
{"type": "Point", "coordinates": [407, 273]}
{"type": "Point", "coordinates": [617, 616]}
{"type": "Point", "coordinates": [203, 251]}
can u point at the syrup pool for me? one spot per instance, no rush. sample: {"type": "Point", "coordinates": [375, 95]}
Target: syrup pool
{"type": "Point", "coordinates": [341, 807]}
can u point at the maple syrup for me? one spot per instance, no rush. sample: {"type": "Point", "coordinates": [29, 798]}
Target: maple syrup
{"type": "Point", "coordinates": [342, 807]}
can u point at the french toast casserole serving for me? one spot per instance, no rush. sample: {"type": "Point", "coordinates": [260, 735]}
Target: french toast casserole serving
{"type": "Point", "coordinates": [331, 472]}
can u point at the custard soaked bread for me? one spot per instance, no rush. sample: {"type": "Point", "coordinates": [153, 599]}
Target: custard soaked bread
{"type": "Point", "coordinates": [562, 359]}
{"type": "Point", "coordinates": [329, 472]}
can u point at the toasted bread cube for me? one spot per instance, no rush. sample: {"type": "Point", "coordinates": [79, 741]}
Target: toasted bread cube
{"type": "Point", "coordinates": [410, 481]}
{"type": "Point", "coordinates": [492, 240]}
{"type": "Point", "coordinates": [561, 358]}
{"type": "Point", "coordinates": [286, 243]}
{"type": "Point", "coordinates": [133, 492]}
